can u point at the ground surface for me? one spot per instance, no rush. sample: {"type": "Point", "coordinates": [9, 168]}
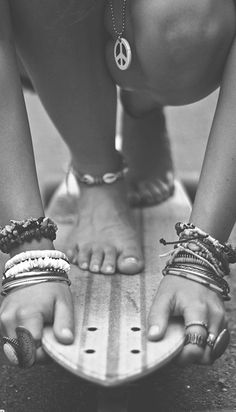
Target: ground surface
{"type": "Point", "coordinates": [49, 388]}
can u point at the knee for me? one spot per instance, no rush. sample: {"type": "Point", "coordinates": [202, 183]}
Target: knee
{"type": "Point", "coordinates": [178, 30]}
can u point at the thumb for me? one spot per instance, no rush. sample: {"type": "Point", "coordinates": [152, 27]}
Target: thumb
{"type": "Point", "coordinates": [64, 321]}
{"type": "Point", "coordinates": [159, 317]}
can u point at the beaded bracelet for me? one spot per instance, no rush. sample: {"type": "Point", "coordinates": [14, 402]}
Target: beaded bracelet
{"type": "Point", "coordinates": [18, 232]}
{"type": "Point", "coordinates": [198, 256]}
{"type": "Point", "coordinates": [40, 264]}
{"type": "Point", "coordinates": [34, 267]}
{"type": "Point", "coordinates": [188, 230]}
{"type": "Point", "coordinates": [35, 254]}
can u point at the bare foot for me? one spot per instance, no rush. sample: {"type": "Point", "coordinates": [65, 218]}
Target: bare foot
{"type": "Point", "coordinates": [104, 240]}
{"type": "Point", "coordinates": [146, 149]}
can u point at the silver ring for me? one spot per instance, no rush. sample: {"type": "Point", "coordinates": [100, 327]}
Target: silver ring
{"type": "Point", "coordinates": [27, 347]}
{"type": "Point", "coordinates": [11, 350]}
{"type": "Point", "coordinates": [197, 323]}
{"type": "Point", "coordinates": [211, 338]}
{"type": "Point", "coordinates": [220, 344]}
{"type": "Point", "coordinates": [195, 339]}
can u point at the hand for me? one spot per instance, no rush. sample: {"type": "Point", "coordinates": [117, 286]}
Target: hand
{"type": "Point", "coordinates": [194, 302]}
{"type": "Point", "coordinates": [34, 306]}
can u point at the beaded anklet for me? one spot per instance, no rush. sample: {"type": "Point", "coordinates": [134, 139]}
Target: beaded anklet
{"type": "Point", "coordinates": [108, 178]}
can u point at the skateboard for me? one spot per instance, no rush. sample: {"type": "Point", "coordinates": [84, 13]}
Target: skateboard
{"type": "Point", "coordinates": [110, 346]}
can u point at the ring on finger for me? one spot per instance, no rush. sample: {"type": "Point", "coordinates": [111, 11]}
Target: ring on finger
{"type": "Point", "coordinates": [220, 344]}
{"type": "Point", "coordinates": [11, 350]}
{"type": "Point", "coordinates": [27, 347]}
{"type": "Point", "coordinates": [197, 323]}
{"type": "Point", "coordinates": [211, 338]}
{"type": "Point", "coordinates": [195, 339]}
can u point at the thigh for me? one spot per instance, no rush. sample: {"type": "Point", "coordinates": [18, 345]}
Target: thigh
{"type": "Point", "coordinates": [179, 46]}
{"type": "Point", "coordinates": [49, 32]}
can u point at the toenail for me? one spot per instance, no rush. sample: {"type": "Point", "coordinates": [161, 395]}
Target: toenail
{"type": "Point", "coordinates": [131, 260]}
{"type": "Point", "coordinates": [95, 268]}
{"type": "Point", "coordinates": [109, 269]}
{"type": "Point", "coordinates": [84, 265]}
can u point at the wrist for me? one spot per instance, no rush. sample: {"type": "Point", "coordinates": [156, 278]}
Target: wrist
{"type": "Point", "coordinates": [42, 244]}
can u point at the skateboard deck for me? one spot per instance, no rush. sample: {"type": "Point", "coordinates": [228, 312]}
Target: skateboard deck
{"type": "Point", "coordinates": [110, 346]}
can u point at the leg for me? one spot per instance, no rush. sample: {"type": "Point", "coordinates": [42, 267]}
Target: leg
{"type": "Point", "coordinates": [164, 73]}
{"type": "Point", "coordinates": [150, 179]}
{"type": "Point", "coordinates": [71, 78]}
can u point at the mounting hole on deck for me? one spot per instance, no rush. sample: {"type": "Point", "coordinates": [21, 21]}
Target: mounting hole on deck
{"type": "Point", "coordinates": [135, 351]}
{"type": "Point", "coordinates": [90, 351]}
{"type": "Point", "coordinates": [92, 329]}
{"type": "Point", "coordinates": [135, 329]}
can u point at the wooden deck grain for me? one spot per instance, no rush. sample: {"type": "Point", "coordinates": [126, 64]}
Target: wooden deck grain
{"type": "Point", "coordinates": [111, 347]}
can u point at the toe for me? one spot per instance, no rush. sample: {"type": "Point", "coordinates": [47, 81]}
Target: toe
{"type": "Point", "coordinates": [134, 198]}
{"type": "Point", "coordinates": [84, 257]}
{"type": "Point", "coordinates": [146, 197]}
{"type": "Point", "coordinates": [130, 261]}
{"type": "Point", "coordinates": [72, 254]}
{"type": "Point", "coordinates": [155, 189]}
{"type": "Point", "coordinates": [96, 260]}
{"type": "Point", "coordinates": [109, 263]}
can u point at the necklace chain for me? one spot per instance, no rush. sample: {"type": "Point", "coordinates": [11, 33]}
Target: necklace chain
{"type": "Point", "coordinates": [116, 31]}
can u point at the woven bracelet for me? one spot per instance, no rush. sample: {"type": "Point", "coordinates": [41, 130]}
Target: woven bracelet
{"type": "Point", "coordinates": [18, 232]}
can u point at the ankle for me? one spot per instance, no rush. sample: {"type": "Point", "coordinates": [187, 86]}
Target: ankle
{"type": "Point", "coordinates": [107, 162]}
{"type": "Point", "coordinates": [138, 107]}
{"type": "Point", "coordinates": [108, 178]}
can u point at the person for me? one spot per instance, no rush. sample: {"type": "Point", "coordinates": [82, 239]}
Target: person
{"type": "Point", "coordinates": [180, 52]}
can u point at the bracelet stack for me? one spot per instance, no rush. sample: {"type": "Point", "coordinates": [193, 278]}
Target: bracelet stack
{"type": "Point", "coordinates": [199, 257]}
{"type": "Point", "coordinates": [18, 232]}
{"type": "Point", "coordinates": [34, 267]}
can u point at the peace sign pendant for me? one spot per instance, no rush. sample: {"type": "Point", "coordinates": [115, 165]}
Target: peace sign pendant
{"type": "Point", "coordinates": [122, 53]}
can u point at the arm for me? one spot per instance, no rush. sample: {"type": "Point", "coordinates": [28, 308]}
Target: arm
{"type": "Point", "coordinates": [213, 211]}
{"type": "Point", "coordinates": [20, 198]}
{"type": "Point", "coordinates": [216, 212]}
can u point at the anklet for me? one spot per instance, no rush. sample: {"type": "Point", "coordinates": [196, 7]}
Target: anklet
{"type": "Point", "coordinates": [107, 178]}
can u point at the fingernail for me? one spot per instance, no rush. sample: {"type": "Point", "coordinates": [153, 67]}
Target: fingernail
{"type": "Point", "coordinates": [67, 333]}
{"type": "Point", "coordinates": [84, 265]}
{"type": "Point", "coordinates": [131, 260]}
{"type": "Point", "coordinates": [95, 268]}
{"type": "Point", "coordinates": [154, 331]}
{"type": "Point", "coordinates": [109, 269]}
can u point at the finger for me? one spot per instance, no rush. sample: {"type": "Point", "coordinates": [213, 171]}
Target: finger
{"type": "Point", "coordinates": [8, 323]}
{"type": "Point", "coordinates": [196, 334]}
{"type": "Point", "coordinates": [217, 322]}
{"type": "Point", "coordinates": [96, 260]}
{"type": "Point", "coordinates": [159, 316]}
{"type": "Point", "coordinates": [63, 325]}
{"type": "Point", "coordinates": [32, 322]}
{"type": "Point", "coordinates": [42, 357]}
{"type": "Point", "coordinates": [109, 262]}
